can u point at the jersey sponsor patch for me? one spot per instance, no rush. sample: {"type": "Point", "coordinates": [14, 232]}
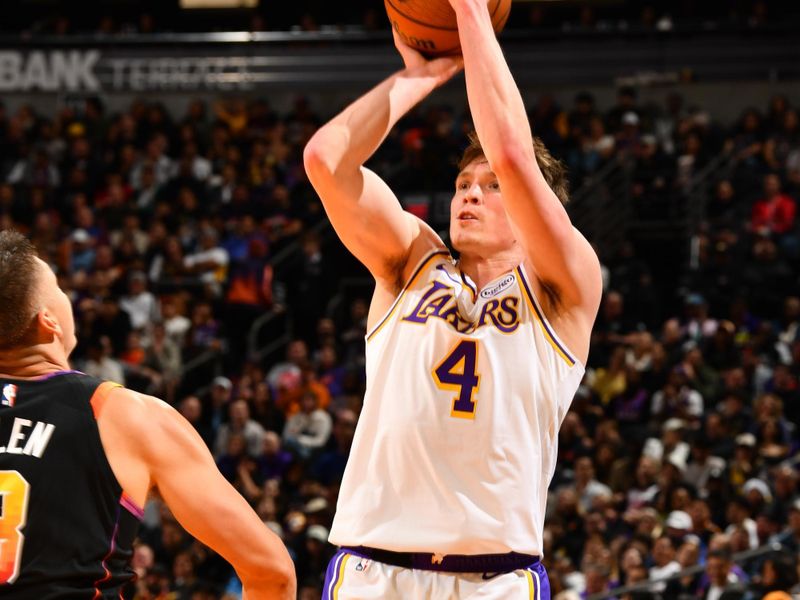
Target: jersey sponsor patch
{"type": "Point", "coordinates": [498, 287]}
{"type": "Point", "coordinates": [9, 394]}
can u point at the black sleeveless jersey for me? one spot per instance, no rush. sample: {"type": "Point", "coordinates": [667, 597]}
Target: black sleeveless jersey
{"type": "Point", "coordinates": [66, 527]}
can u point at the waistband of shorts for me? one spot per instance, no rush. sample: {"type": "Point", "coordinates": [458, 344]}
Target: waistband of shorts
{"type": "Point", "coordinates": [453, 563]}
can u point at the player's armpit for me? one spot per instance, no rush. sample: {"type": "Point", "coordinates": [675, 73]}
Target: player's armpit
{"type": "Point", "coordinates": [204, 503]}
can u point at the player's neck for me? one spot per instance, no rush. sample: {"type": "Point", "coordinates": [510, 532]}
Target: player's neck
{"type": "Point", "coordinates": [31, 362]}
{"type": "Point", "coordinates": [484, 270]}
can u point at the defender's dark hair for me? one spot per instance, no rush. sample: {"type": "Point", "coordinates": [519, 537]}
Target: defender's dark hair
{"type": "Point", "coordinates": [18, 281]}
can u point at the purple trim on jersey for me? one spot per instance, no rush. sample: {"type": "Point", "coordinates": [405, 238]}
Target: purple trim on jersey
{"type": "Point", "coordinates": [131, 506]}
{"type": "Point", "coordinates": [57, 373]}
{"type": "Point", "coordinates": [405, 289]}
{"type": "Point", "coordinates": [111, 548]}
{"type": "Point", "coordinates": [542, 591]}
{"type": "Point", "coordinates": [332, 575]}
{"type": "Point", "coordinates": [474, 290]}
{"type": "Point", "coordinates": [542, 320]}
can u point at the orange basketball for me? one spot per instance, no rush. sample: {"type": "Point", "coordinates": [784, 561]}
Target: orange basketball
{"type": "Point", "coordinates": [430, 25]}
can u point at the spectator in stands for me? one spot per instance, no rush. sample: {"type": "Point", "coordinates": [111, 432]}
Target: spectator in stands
{"type": "Point", "coordinates": [140, 304]}
{"type": "Point", "coordinates": [115, 323]}
{"type": "Point", "coordinates": [784, 484]}
{"type": "Point", "coordinates": [724, 208]}
{"type": "Point", "coordinates": [783, 140]}
{"type": "Point", "coordinates": [163, 356]}
{"type": "Point", "coordinates": [37, 170]}
{"type": "Point", "coordinates": [274, 460]}
{"type": "Point", "coordinates": [671, 445]}
{"type": "Point", "coordinates": [240, 423]}
{"type": "Point", "coordinates": [597, 580]}
{"type": "Point", "coordinates": [702, 463]}
{"type": "Point", "coordinates": [628, 141]}
{"type": "Point", "coordinates": [210, 262]}
{"type": "Point", "coordinates": [82, 253]}
{"type": "Point", "coordinates": [739, 515]}
{"type": "Point", "coordinates": [328, 469]}
{"type": "Point", "coordinates": [664, 563]}
{"type": "Point", "coordinates": [192, 410]}
{"type": "Point", "coordinates": [743, 464]}
{"type": "Point", "coordinates": [101, 364]}
{"type": "Point", "coordinates": [722, 584]}
{"type": "Point", "coordinates": [307, 431]}
{"type": "Point", "coordinates": [644, 488]}
{"type": "Point", "coordinates": [215, 409]}
{"type": "Point", "coordinates": [626, 105]}
{"type": "Point", "coordinates": [774, 213]}
{"type": "Point", "coordinates": [778, 573]}
{"type": "Point", "coordinates": [688, 556]}
{"type": "Point", "coordinates": [611, 382]}
{"type": "Point", "coordinates": [297, 355]}
{"type": "Point", "coordinates": [586, 486]}
{"type": "Point", "coordinates": [790, 537]}
{"type": "Point", "coordinates": [205, 331]}
{"type": "Point", "coordinates": [176, 324]}
{"type": "Point", "coordinates": [231, 456]}
{"type": "Point", "coordinates": [594, 147]}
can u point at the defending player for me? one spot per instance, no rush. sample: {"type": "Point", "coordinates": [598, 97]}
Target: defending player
{"type": "Point", "coordinates": [78, 457]}
{"type": "Point", "coordinates": [471, 364]}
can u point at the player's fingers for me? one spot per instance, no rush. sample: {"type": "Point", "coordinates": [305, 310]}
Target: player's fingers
{"type": "Point", "coordinates": [411, 57]}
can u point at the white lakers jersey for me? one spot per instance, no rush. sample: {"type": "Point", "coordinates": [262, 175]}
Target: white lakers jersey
{"type": "Point", "coordinates": [457, 440]}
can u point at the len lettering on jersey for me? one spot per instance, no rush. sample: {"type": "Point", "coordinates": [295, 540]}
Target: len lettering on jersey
{"type": "Point", "coordinates": [28, 438]}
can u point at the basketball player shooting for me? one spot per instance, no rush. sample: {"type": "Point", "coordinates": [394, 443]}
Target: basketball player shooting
{"type": "Point", "coordinates": [471, 364]}
{"type": "Point", "coordinates": [79, 455]}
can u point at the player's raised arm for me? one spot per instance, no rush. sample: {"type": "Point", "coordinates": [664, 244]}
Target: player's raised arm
{"type": "Point", "coordinates": [150, 445]}
{"type": "Point", "coordinates": [363, 210]}
{"type": "Point", "coordinates": [563, 260]}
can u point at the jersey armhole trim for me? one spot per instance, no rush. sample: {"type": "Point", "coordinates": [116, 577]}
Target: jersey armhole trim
{"type": "Point", "coordinates": [411, 280]}
{"type": "Point", "coordinates": [98, 399]}
{"type": "Point", "coordinates": [131, 506]}
{"type": "Point", "coordinates": [549, 334]}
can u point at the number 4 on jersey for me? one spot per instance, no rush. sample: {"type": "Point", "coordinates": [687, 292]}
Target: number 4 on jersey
{"type": "Point", "coordinates": [458, 373]}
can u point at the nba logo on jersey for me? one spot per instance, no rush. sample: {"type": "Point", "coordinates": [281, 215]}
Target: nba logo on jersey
{"type": "Point", "coordinates": [9, 394]}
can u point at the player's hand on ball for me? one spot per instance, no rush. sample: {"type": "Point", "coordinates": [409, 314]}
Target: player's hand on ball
{"type": "Point", "coordinates": [456, 4]}
{"type": "Point", "coordinates": [442, 68]}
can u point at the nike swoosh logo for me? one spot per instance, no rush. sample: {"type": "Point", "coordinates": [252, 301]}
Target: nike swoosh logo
{"type": "Point", "coordinates": [488, 576]}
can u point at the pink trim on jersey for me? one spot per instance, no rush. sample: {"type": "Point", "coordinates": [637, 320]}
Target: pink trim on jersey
{"type": "Point", "coordinates": [128, 504]}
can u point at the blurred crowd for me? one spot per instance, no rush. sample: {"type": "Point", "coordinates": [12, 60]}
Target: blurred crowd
{"type": "Point", "coordinates": [151, 16]}
{"type": "Point", "coordinates": [680, 448]}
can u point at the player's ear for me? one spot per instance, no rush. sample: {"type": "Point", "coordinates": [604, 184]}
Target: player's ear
{"type": "Point", "coordinates": [48, 325]}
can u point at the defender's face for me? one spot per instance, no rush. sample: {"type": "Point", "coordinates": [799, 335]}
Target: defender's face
{"type": "Point", "coordinates": [53, 298]}
{"type": "Point", "coordinates": [478, 221]}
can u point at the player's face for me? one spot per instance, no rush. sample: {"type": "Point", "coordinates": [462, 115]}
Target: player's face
{"type": "Point", "coordinates": [478, 221]}
{"type": "Point", "coordinates": [58, 304]}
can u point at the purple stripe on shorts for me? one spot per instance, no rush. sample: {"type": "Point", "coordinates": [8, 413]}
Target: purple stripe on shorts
{"type": "Point", "coordinates": [332, 575]}
{"type": "Point", "coordinates": [543, 583]}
